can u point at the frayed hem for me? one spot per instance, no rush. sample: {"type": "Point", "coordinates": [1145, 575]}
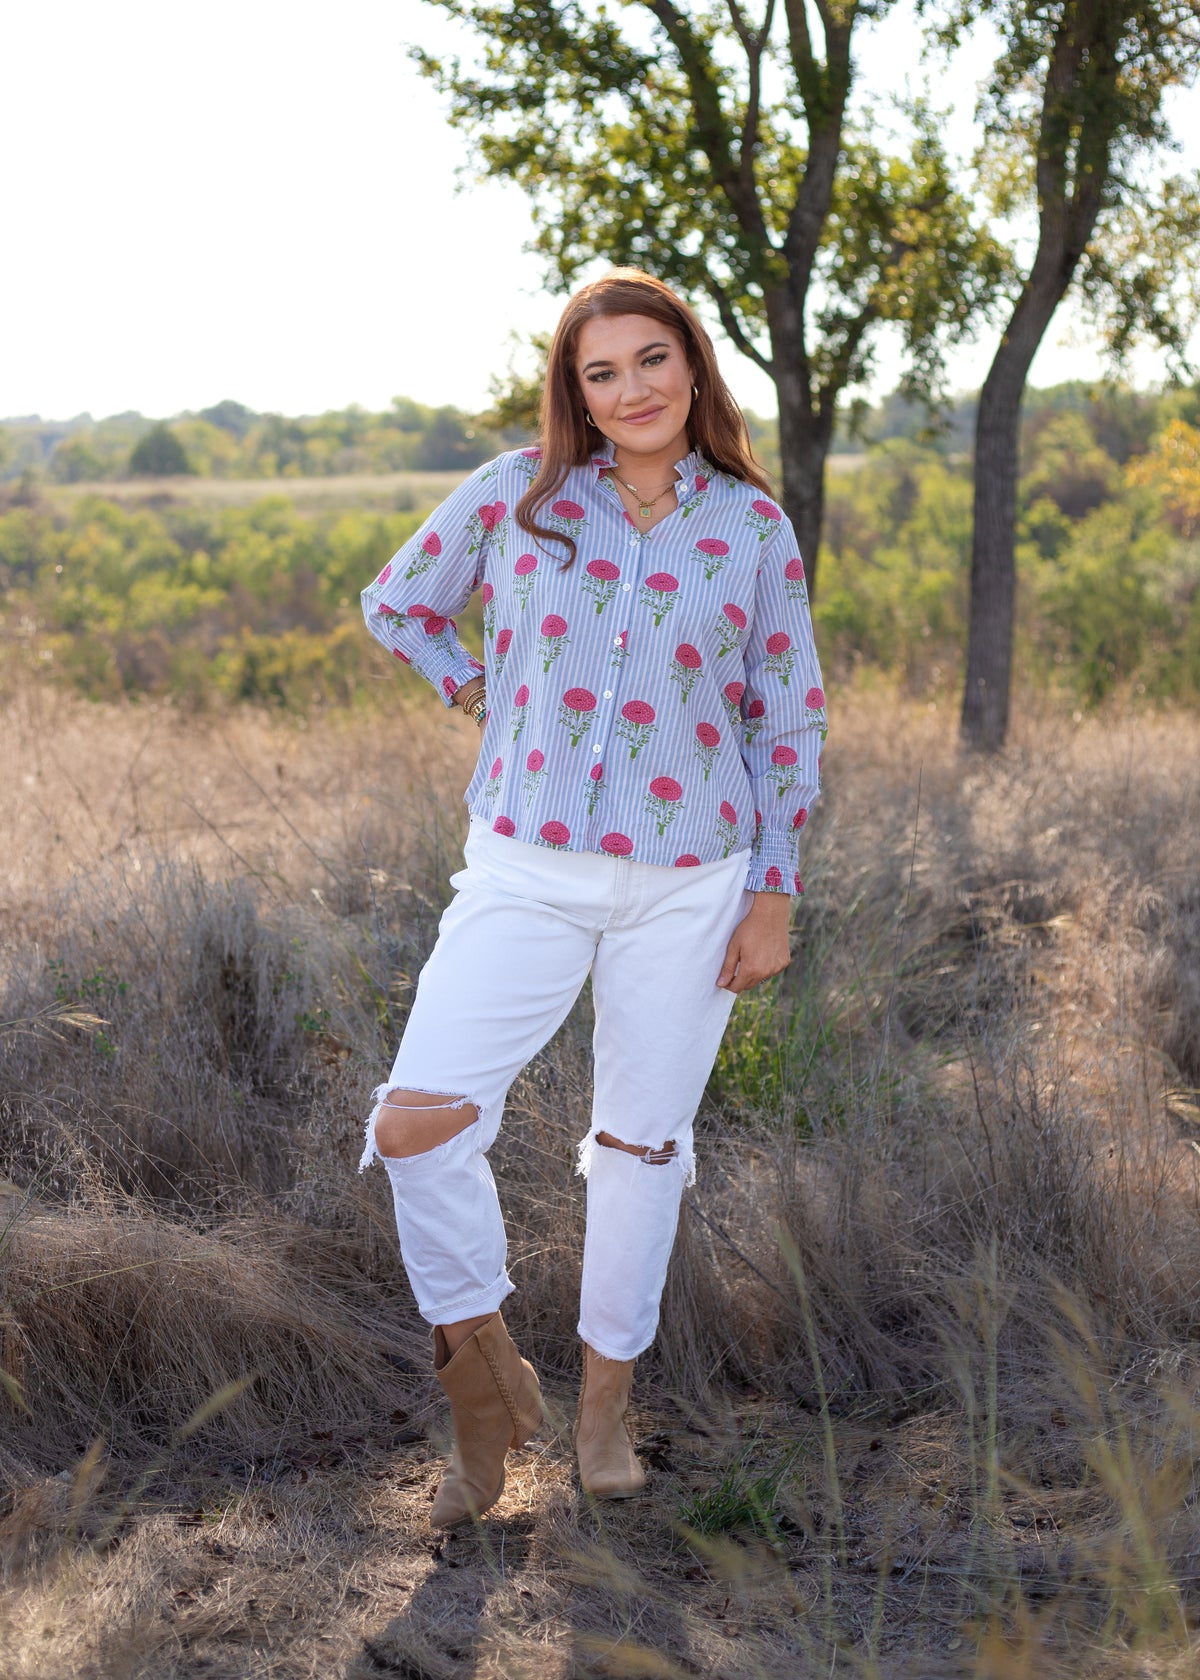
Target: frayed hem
{"type": "Point", "coordinates": [371, 1151]}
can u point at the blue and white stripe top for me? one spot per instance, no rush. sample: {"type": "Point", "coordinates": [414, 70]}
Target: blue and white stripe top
{"type": "Point", "coordinates": [659, 698]}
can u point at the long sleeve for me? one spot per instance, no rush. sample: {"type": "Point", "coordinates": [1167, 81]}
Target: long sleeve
{"type": "Point", "coordinates": [783, 711]}
{"type": "Point", "coordinates": [410, 606]}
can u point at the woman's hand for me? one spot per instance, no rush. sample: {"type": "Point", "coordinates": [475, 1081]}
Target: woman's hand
{"type": "Point", "coordinates": [759, 947]}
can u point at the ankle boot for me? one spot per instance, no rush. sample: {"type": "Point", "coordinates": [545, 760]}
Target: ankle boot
{"type": "Point", "coordinates": [608, 1466]}
{"type": "Point", "coordinates": [495, 1404]}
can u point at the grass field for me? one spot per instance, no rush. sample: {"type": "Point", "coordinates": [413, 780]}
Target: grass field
{"type": "Point", "coordinates": [924, 1403]}
{"type": "Point", "coordinates": [402, 491]}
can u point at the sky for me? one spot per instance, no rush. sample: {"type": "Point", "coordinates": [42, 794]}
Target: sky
{"type": "Point", "coordinates": [260, 199]}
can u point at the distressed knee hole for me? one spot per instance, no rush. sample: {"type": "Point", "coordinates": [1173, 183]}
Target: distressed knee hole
{"type": "Point", "coordinates": [646, 1152]}
{"type": "Point", "coordinates": [411, 1123]}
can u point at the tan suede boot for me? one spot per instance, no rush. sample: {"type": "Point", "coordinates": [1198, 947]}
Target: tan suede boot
{"type": "Point", "coordinates": [495, 1404]}
{"type": "Point", "coordinates": [608, 1466]}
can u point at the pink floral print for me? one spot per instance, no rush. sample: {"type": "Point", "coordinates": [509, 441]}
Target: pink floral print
{"type": "Point", "coordinates": [600, 579]}
{"type": "Point", "coordinates": [577, 713]}
{"type": "Point", "coordinates": [731, 626]}
{"type": "Point", "coordinates": [712, 553]}
{"type": "Point", "coordinates": [764, 518]}
{"type": "Point", "coordinates": [708, 745]}
{"type": "Point", "coordinates": [520, 710]}
{"type": "Point", "coordinates": [663, 801]}
{"type": "Point", "coordinates": [535, 773]}
{"type": "Point", "coordinates": [554, 638]}
{"type": "Point", "coordinates": [637, 724]}
{"type": "Point", "coordinates": [685, 668]}
{"type": "Point", "coordinates": [659, 593]}
{"type": "Point", "coordinates": [426, 556]}
{"type": "Point", "coordinates": [781, 660]}
{"type": "Point", "coordinates": [524, 574]}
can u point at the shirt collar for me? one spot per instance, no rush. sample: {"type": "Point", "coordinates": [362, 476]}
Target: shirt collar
{"type": "Point", "coordinates": [692, 467]}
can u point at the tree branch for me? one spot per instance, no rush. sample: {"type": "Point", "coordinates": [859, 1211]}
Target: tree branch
{"type": "Point", "coordinates": [733, 326]}
{"type": "Point", "coordinates": [712, 129]}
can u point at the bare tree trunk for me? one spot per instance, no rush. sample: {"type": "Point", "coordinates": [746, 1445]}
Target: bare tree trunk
{"type": "Point", "coordinates": [803, 449]}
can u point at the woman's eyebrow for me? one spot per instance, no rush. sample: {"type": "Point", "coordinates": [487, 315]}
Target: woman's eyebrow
{"type": "Point", "coordinates": [603, 361]}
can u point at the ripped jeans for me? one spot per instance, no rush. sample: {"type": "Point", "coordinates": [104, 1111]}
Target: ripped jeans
{"type": "Point", "coordinates": [526, 926]}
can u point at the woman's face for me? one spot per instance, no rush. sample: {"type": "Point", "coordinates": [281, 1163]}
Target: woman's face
{"type": "Point", "coordinates": [636, 383]}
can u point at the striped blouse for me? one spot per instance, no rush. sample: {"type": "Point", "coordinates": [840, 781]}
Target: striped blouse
{"type": "Point", "coordinates": [658, 699]}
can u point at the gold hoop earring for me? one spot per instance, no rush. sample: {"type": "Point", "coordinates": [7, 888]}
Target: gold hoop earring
{"type": "Point", "coordinates": [587, 416]}
{"type": "Point", "coordinates": [695, 394]}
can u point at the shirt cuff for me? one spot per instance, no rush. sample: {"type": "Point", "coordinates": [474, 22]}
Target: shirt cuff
{"type": "Point", "coordinates": [447, 668]}
{"type": "Point", "coordinates": [773, 864]}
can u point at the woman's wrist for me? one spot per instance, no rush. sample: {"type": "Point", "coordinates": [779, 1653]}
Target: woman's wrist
{"type": "Point", "coordinates": [472, 697]}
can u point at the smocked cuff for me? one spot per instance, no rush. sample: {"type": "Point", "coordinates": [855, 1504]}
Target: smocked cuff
{"type": "Point", "coordinates": [773, 864]}
{"type": "Point", "coordinates": [449, 669]}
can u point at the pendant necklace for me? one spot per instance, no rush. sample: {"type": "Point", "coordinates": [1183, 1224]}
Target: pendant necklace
{"type": "Point", "coordinates": [645, 504]}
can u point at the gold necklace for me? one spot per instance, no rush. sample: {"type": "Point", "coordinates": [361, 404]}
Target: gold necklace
{"type": "Point", "coordinates": [645, 507]}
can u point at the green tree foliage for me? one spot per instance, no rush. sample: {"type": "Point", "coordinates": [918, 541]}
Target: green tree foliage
{"type": "Point", "coordinates": [1073, 109]}
{"type": "Point", "coordinates": [159, 455]}
{"type": "Point", "coordinates": [255, 603]}
{"type": "Point", "coordinates": [231, 441]}
{"type": "Point", "coordinates": [716, 149]}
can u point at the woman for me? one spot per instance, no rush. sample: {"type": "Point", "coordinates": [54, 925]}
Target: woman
{"type": "Point", "coordinates": [652, 721]}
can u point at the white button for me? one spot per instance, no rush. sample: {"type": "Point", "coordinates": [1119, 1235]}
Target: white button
{"type": "Point", "coordinates": [597, 749]}
{"type": "Point", "coordinates": [625, 587]}
{"type": "Point", "coordinates": [616, 641]}
{"type": "Point", "coordinates": [608, 693]}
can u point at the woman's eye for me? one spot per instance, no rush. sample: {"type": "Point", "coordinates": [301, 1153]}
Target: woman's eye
{"type": "Point", "coordinates": [595, 378]}
{"type": "Point", "coordinates": [655, 359]}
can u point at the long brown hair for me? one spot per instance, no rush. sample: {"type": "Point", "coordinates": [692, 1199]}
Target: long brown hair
{"type": "Point", "coordinates": [715, 425]}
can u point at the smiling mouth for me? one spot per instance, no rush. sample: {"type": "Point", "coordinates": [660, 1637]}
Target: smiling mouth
{"type": "Point", "coordinates": [644, 414]}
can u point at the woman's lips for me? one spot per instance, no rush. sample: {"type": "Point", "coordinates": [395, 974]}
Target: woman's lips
{"type": "Point", "coordinates": [640, 419]}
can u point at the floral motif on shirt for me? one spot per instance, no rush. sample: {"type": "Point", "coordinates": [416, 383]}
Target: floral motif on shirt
{"type": "Point", "coordinates": [520, 711]}
{"type": "Point", "coordinates": [814, 711]}
{"type": "Point", "coordinates": [554, 638]}
{"type": "Point", "coordinates": [620, 649]}
{"type": "Point", "coordinates": [577, 713]}
{"type": "Point", "coordinates": [637, 724]}
{"type": "Point", "coordinates": [595, 787]}
{"type": "Point", "coordinates": [708, 745]}
{"type": "Point", "coordinates": [685, 668]}
{"type": "Point", "coordinates": [554, 834]}
{"type": "Point", "coordinates": [490, 520]}
{"type": "Point", "coordinates": [495, 776]}
{"type": "Point", "coordinates": [600, 579]}
{"type": "Point", "coordinates": [756, 711]}
{"type": "Point", "coordinates": [659, 593]}
{"type": "Point", "coordinates": [712, 554]}
{"type": "Point", "coordinates": [663, 801]}
{"type": "Point", "coordinates": [727, 827]}
{"type": "Point", "coordinates": [524, 576]}
{"type": "Point", "coordinates": [503, 643]}
{"type": "Point", "coordinates": [794, 584]}
{"type": "Point", "coordinates": [781, 660]}
{"type": "Point", "coordinates": [783, 768]}
{"type": "Point", "coordinates": [566, 517]}
{"type": "Point", "coordinates": [427, 555]}
{"type": "Point", "coordinates": [764, 518]}
{"type": "Point", "coordinates": [535, 773]}
{"type": "Point", "coordinates": [731, 627]}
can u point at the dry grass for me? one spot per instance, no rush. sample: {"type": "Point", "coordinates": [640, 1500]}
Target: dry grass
{"type": "Point", "coordinates": [925, 1399]}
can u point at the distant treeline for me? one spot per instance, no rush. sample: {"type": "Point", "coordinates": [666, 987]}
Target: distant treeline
{"type": "Point", "coordinates": [260, 603]}
{"type": "Point", "coordinates": [232, 441]}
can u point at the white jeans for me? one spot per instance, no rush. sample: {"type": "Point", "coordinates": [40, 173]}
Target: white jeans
{"type": "Point", "coordinates": [514, 947]}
